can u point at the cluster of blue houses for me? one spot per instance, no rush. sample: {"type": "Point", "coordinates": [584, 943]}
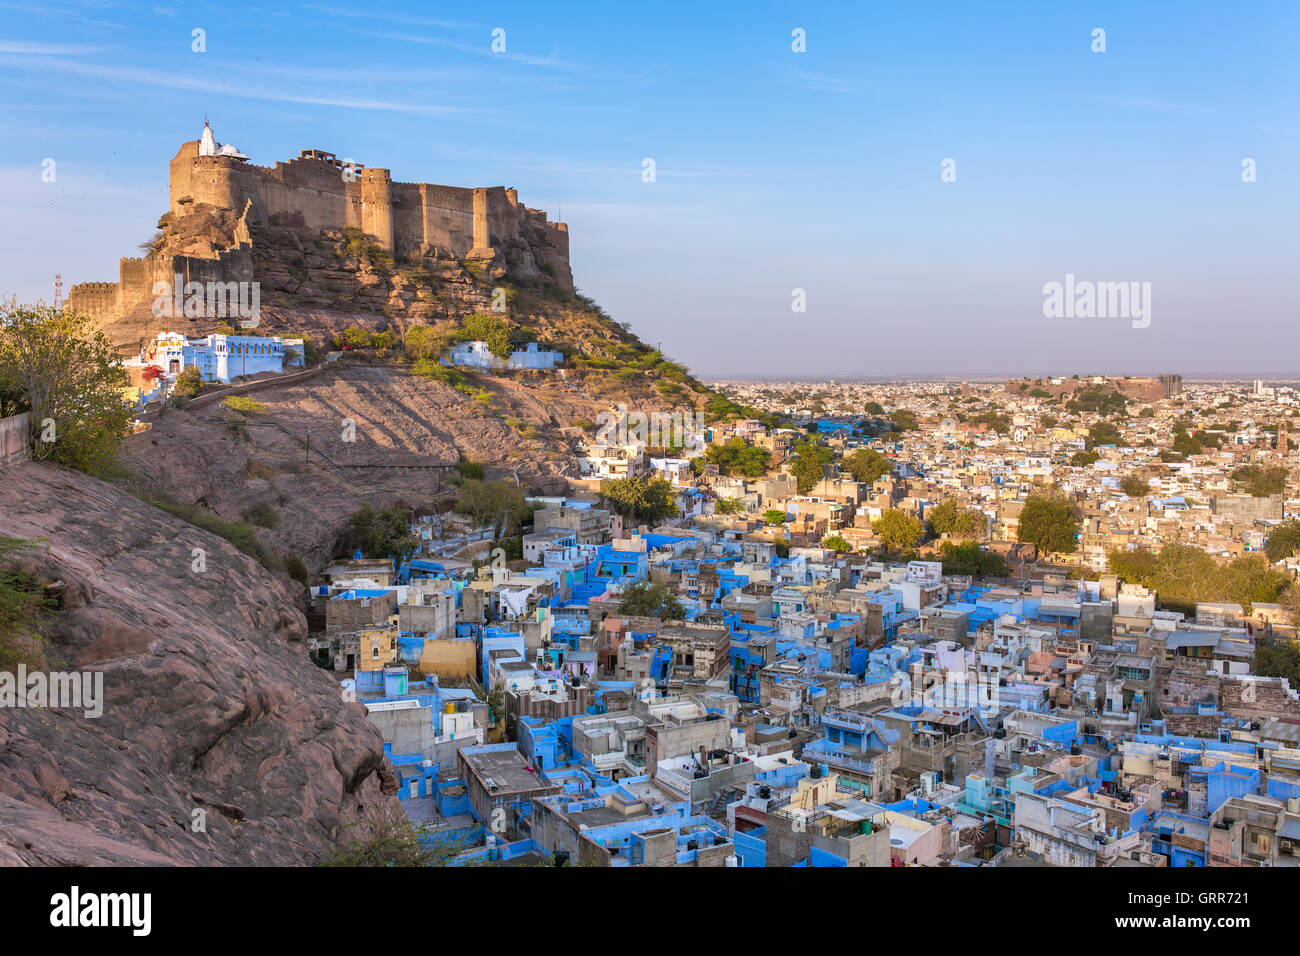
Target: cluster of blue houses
{"type": "Point", "coordinates": [749, 708]}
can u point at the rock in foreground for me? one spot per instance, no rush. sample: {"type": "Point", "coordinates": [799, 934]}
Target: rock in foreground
{"type": "Point", "coordinates": [210, 701]}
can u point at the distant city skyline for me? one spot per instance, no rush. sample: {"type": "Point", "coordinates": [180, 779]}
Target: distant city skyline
{"type": "Point", "coordinates": [774, 170]}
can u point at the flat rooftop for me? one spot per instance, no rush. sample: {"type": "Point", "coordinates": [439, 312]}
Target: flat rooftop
{"type": "Point", "coordinates": [504, 768]}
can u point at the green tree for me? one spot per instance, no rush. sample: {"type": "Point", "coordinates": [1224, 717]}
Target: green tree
{"type": "Point", "coordinates": [422, 342]}
{"type": "Point", "coordinates": [738, 457]}
{"type": "Point", "coordinates": [244, 405]}
{"type": "Point", "coordinates": [263, 514]}
{"type": "Point", "coordinates": [23, 606]}
{"type": "Point", "coordinates": [188, 382]}
{"type": "Point", "coordinates": [1098, 398]}
{"type": "Point", "coordinates": [1050, 521]}
{"type": "Point", "coordinates": [496, 701]}
{"type": "Point", "coordinates": [1183, 575]}
{"type": "Point", "coordinates": [383, 534]}
{"type": "Point", "coordinates": [836, 543]}
{"type": "Point", "coordinates": [806, 466]}
{"type": "Point", "coordinates": [774, 516]}
{"type": "Point", "coordinates": [1262, 480]}
{"type": "Point", "coordinates": [994, 421]}
{"type": "Point", "coordinates": [1185, 444]}
{"type": "Point", "coordinates": [356, 337]}
{"type": "Point", "coordinates": [1135, 486]}
{"type": "Point", "coordinates": [897, 531]}
{"type": "Point", "coordinates": [645, 599]}
{"type": "Point", "coordinates": [1082, 459]}
{"type": "Point", "coordinates": [388, 842]}
{"type": "Point", "coordinates": [67, 376]}
{"type": "Point", "coordinates": [470, 469]}
{"type": "Point", "coordinates": [493, 330]}
{"type": "Point", "coordinates": [296, 568]}
{"type": "Point", "coordinates": [1103, 433]}
{"type": "Point", "coordinates": [1283, 540]}
{"type": "Point", "coordinates": [730, 506]}
{"type": "Point", "coordinates": [866, 465]}
{"type": "Point", "coordinates": [1133, 567]}
{"type": "Point", "coordinates": [949, 518]}
{"type": "Point", "coordinates": [904, 420]}
{"type": "Point", "coordinates": [1250, 579]}
{"type": "Point", "coordinates": [1277, 656]}
{"type": "Point", "coordinates": [970, 559]}
{"type": "Point", "coordinates": [649, 501]}
{"type": "Point", "coordinates": [499, 505]}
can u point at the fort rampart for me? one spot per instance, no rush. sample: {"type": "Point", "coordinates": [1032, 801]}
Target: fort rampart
{"type": "Point", "coordinates": [317, 191]}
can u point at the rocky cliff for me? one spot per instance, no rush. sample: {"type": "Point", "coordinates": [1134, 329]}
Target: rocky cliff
{"type": "Point", "coordinates": [317, 282]}
{"type": "Point", "coordinates": [211, 701]}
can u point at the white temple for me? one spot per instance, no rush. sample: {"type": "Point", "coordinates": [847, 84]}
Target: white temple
{"type": "Point", "coordinates": [208, 145]}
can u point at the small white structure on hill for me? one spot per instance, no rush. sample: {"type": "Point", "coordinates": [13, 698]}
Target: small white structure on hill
{"type": "Point", "coordinates": [476, 354]}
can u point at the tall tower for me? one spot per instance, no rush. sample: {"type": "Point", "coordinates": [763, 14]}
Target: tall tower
{"type": "Point", "coordinates": [58, 291]}
{"type": "Point", "coordinates": [482, 246]}
{"type": "Point", "coordinates": [1282, 446]}
{"type": "Point", "coordinates": [377, 206]}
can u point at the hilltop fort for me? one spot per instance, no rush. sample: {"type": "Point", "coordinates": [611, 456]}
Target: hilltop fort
{"type": "Point", "coordinates": [226, 217]}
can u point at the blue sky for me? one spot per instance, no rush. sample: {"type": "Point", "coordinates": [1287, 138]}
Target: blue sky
{"type": "Point", "coordinates": [775, 170]}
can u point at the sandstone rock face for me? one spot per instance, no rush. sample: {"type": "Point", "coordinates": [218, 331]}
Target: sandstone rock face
{"type": "Point", "coordinates": [396, 419]}
{"type": "Point", "coordinates": [210, 701]}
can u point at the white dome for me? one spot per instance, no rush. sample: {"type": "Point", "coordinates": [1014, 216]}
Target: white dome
{"type": "Point", "coordinates": [208, 145]}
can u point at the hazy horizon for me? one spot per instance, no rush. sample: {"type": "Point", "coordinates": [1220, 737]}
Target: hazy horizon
{"type": "Point", "coordinates": [775, 170]}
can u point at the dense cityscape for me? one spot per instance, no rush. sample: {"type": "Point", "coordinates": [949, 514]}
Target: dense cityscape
{"type": "Point", "coordinates": [440, 445]}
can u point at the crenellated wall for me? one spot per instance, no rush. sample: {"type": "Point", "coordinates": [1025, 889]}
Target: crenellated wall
{"type": "Point", "coordinates": [133, 295]}
{"type": "Point", "coordinates": [317, 191]}
{"type": "Point", "coordinates": [324, 193]}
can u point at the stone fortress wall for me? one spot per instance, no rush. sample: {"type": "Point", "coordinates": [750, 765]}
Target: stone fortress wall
{"type": "Point", "coordinates": [132, 296]}
{"type": "Point", "coordinates": [404, 217]}
{"type": "Point", "coordinates": [318, 191]}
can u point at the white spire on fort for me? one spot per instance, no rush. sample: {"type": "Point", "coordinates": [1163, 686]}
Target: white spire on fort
{"type": "Point", "coordinates": [208, 145]}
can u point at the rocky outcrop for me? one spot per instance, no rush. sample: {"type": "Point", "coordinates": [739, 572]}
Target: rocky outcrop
{"type": "Point", "coordinates": [211, 703]}
{"type": "Point", "coordinates": [370, 421]}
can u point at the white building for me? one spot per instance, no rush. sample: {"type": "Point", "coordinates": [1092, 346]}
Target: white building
{"type": "Point", "coordinates": [208, 145]}
{"type": "Point", "coordinates": [476, 354]}
{"type": "Point", "coordinates": [219, 357]}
